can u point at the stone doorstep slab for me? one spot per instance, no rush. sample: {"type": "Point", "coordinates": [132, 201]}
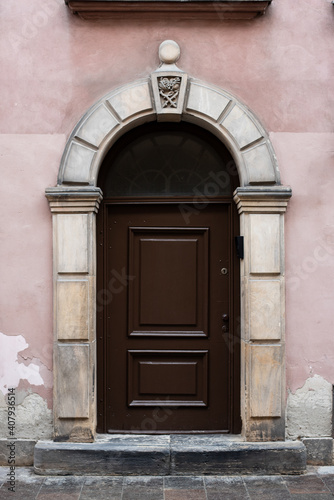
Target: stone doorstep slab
{"type": "Point", "coordinates": [125, 455]}
{"type": "Point", "coordinates": [237, 458]}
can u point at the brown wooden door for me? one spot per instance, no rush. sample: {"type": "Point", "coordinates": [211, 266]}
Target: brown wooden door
{"type": "Point", "coordinates": [163, 308]}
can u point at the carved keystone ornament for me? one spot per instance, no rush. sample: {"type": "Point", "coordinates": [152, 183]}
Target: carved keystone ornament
{"type": "Point", "coordinates": [169, 83]}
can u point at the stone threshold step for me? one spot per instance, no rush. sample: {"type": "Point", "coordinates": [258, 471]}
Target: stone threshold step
{"type": "Point", "coordinates": [123, 455]}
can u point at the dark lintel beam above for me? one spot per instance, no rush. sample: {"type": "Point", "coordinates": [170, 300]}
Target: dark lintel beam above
{"type": "Point", "coordinates": [180, 9]}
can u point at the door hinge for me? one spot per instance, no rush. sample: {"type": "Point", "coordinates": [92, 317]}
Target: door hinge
{"type": "Point", "coordinates": [239, 245]}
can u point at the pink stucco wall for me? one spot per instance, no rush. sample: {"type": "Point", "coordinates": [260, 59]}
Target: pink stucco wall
{"type": "Point", "coordinates": [54, 66]}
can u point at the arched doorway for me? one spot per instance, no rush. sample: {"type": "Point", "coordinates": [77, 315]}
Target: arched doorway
{"type": "Point", "coordinates": [168, 308]}
{"type": "Point", "coordinates": [261, 202]}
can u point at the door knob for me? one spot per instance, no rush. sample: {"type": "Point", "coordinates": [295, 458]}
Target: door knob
{"type": "Point", "coordinates": [225, 317]}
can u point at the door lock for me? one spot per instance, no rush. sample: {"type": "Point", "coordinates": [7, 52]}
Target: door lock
{"type": "Point", "coordinates": [224, 270]}
{"type": "Point", "coordinates": [225, 327]}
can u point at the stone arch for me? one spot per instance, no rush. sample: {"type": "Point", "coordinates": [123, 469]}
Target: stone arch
{"type": "Point", "coordinates": [207, 106]}
{"type": "Point", "coordinates": [169, 95]}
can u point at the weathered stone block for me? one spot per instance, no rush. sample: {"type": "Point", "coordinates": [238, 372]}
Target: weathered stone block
{"type": "Point", "coordinates": [241, 127]}
{"type": "Point", "coordinates": [265, 256]}
{"type": "Point", "coordinates": [72, 243]}
{"type": "Point", "coordinates": [78, 163]}
{"type": "Point", "coordinates": [192, 456]}
{"type": "Point", "coordinates": [265, 429]}
{"type": "Point", "coordinates": [319, 450]}
{"type": "Point", "coordinates": [260, 165]}
{"type": "Point", "coordinates": [206, 101]}
{"type": "Point", "coordinates": [115, 456]}
{"type": "Point", "coordinates": [97, 125]}
{"type": "Point", "coordinates": [132, 100]}
{"type": "Point", "coordinates": [72, 310]}
{"type": "Point", "coordinates": [265, 310]}
{"type": "Point", "coordinates": [73, 381]}
{"type": "Point", "coordinates": [265, 381]}
{"type": "Point", "coordinates": [169, 455]}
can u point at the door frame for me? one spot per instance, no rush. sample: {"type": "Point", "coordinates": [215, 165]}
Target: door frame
{"type": "Point", "coordinates": [261, 201]}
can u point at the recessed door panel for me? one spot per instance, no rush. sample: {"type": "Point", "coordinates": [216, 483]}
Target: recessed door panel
{"type": "Point", "coordinates": [168, 275]}
{"type": "Point", "coordinates": [165, 378]}
{"type": "Point", "coordinates": [169, 295]}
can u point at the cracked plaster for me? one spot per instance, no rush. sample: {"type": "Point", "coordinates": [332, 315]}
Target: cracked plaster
{"type": "Point", "coordinates": [33, 418]}
{"type": "Point", "coordinates": [309, 410]}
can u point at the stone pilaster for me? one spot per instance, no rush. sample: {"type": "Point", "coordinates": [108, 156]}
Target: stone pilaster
{"type": "Point", "coordinates": [74, 277]}
{"type": "Point", "coordinates": [261, 212]}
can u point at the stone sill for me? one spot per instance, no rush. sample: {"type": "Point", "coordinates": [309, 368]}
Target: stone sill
{"type": "Point", "coordinates": [165, 455]}
{"type": "Point", "coordinates": [182, 9]}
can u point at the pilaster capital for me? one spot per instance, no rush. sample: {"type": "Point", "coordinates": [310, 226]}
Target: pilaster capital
{"type": "Point", "coordinates": [74, 199]}
{"type": "Point", "coordinates": [262, 199]}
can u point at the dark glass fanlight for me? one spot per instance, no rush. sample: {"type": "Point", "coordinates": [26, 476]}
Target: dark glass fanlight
{"type": "Point", "coordinates": [167, 160]}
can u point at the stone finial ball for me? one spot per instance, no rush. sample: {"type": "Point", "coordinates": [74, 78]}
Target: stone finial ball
{"type": "Point", "coordinates": [169, 52]}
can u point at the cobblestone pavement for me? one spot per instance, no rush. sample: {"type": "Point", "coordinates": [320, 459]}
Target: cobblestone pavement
{"type": "Point", "coordinates": [317, 484]}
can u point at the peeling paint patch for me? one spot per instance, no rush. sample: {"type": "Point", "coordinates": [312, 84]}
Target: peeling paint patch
{"type": "Point", "coordinates": [11, 371]}
{"type": "Point", "coordinates": [309, 410]}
